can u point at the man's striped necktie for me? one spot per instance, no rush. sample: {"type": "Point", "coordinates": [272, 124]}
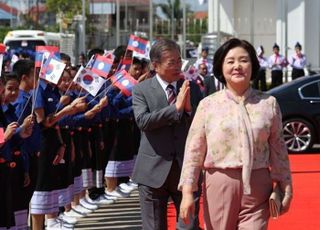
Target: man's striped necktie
{"type": "Point", "coordinates": [171, 94]}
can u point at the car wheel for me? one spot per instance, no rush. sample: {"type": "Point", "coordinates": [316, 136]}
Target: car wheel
{"type": "Point", "coordinates": [298, 135]}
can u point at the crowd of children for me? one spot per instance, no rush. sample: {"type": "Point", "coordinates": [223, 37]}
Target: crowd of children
{"type": "Point", "coordinates": [63, 151]}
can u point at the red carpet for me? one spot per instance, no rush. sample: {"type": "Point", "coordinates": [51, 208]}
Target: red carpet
{"type": "Point", "coordinates": [304, 212]}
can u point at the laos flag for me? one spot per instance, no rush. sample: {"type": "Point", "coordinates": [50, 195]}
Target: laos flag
{"type": "Point", "coordinates": [89, 81]}
{"type": "Point", "coordinates": [102, 65]}
{"type": "Point", "coordinates": [124, 82]}
{"type": "Point", "coordinates": [137, 44]}
{"type": "Point", "coordinates": [45, 51]}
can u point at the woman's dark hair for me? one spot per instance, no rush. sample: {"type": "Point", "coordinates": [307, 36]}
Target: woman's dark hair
{"type": "Point", "coordinates": [221, 53]}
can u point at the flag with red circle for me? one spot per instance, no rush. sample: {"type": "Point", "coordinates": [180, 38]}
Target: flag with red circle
{"type": "Point", "coordinates": [89, 81]}
{"type": "Point", "coordinates": [52, 69]}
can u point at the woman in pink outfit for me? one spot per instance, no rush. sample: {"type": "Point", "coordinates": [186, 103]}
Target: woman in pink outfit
{"type": "Point", "coordinates": [236, 138]}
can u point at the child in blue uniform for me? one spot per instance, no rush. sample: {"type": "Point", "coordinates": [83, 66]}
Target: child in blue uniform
{"type": "Point", "coordinates": [16, 178]}
{"type": "Point", "coordinates": [45, 198]}
{"type": "Point", "coordinates": [31, 145]}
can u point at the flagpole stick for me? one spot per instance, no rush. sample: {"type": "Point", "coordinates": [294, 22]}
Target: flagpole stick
{"type": "Point", "coordinates": [24, 108]}
{"type": "Point", "coordinates": [34, 83]}
{"type": "Point", "coordinates": [120, 63]}
{"type": "Point", "coordinates": [106, 90]}
{"type": "Point", "coordinates": [65, 93]}
{"type": "Point", "coordinates": [80, 92]}
{"type": "Point", "coordinates": [35, 94]}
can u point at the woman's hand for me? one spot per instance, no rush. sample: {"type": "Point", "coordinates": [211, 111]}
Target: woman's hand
{"type": "Point", "coordinates": [287, 197]}
{"type": "Point", "coordinates": [187, 207]}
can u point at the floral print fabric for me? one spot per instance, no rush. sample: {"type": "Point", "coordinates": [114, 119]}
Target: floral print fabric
{"type": "Point", "coordinates": [220, 137]}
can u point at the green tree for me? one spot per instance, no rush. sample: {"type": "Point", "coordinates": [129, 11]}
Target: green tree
{"type": "Point", "coordinates": [173, 11]}
{"type": "Point", "coordinates": [3, 32]}
{"type": "Point", "coordinates": [194, 30]}
{"type": "Point", "coordinates": [169, 6]}
{"type": "Point", "coordinates": [67, 8]}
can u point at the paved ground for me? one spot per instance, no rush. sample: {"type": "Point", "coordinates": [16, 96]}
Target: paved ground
{"type": "Point", "coordinates": [124, 214]}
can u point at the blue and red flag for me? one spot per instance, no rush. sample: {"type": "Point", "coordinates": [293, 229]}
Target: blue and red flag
{"type": "Point", "coordinates": [137, 44]}
{"type": "Point", "coordinates": [102, 65]}
{"type": "Point", "coordinates": [124, 82]}
{"type": "Point", "coordinates": [41, 50]}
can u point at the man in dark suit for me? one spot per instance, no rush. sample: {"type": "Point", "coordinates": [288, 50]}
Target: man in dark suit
{"type": "Point", "coordinates": [163, 107]}
{"type": "Point", "coordinates": [209, 85]}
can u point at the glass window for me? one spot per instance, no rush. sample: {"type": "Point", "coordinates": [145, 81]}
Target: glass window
{"type": "Point", "coordinates": [311, 90]}
{"type": "Point", "coordinates": [25, 44]}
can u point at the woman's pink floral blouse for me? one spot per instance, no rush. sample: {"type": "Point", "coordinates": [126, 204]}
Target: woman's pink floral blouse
{"type": "Point", "coordinates": [219, 137]}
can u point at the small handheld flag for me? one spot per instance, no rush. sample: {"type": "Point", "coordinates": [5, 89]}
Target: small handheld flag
{"type": "Point", "coordinates": [102, 65]}
{"type": "Point", "coordinates": [191, 74]}
{"type": "Point", "coordinates": [89, 81]}
{"type": "Point", "coordinates": [41, 50]}
{"type": "Point", "coordinates": [144, 55]}
{"type": "Point", "coordinates": [52, 69]}
{"type": "Point", "coordinates": [137, 44]}
{"type": "Point", "coordinates": [124, 82]}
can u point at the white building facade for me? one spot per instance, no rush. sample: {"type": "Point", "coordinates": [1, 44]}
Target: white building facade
{"type": "Point", "coordinates": [262, 22]}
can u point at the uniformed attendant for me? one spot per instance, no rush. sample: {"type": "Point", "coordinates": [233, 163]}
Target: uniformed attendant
{"type": "Point", "coordinates": [204, 60]}
{"type": "Point", "coordinates": [80, 138]}
{"type": "Point", "coordinates": [261, 78]}
{"type": "Point", "coordinates": [7, 219]}
{"type": "Point", "coordinates": [96, 141]}
{"type": "Point", "coordinates": [66, 169]}
{"type": "Point", "coordinates": [115, 124]}
{"type": "Point", "coordinates": [18, 177]}
{"type": "Point", "coordinates": [45, 198]}
{"type": "Point", "coordinates": [277, 63]}
{"type": "Point", "coordinates": [85, 156]}
{"type": "Point", "coordinates": [121, 161]}
{"type": "Point", "coordinates": [298, 62]}
{"type": "Point", "coordinates": [202, 74]}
